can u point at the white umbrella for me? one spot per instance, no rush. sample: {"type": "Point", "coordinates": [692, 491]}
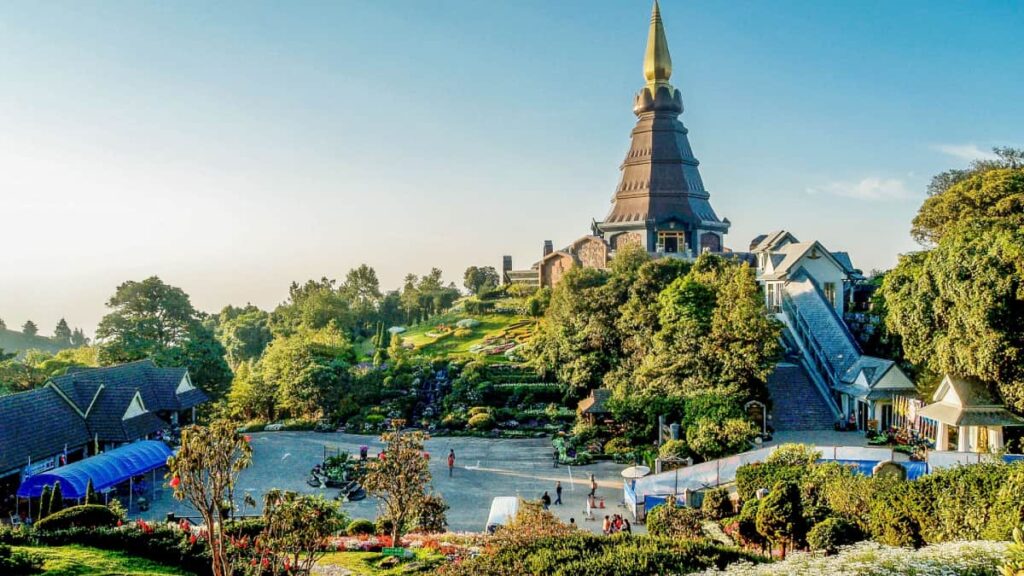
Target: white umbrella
{"type": "Point", "coordinates": [636, 472]}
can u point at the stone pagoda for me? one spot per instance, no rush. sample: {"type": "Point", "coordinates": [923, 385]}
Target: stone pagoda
{"type": "Point", "coordinates": [661, 202]}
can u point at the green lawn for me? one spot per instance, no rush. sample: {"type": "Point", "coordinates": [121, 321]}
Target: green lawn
{"type": "Point", "coordinates": [364, 563]}
{"type": "Point", "coordinates": [81, 561]}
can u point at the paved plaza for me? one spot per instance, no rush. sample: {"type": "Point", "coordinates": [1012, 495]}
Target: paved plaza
{"type": "Point", "coordinates": [485, 468]}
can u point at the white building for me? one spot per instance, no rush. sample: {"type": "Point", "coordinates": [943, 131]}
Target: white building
{"type": "Point", "coordinates": [969, 416]}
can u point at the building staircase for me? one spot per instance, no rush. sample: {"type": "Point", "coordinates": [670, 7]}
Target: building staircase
{"type": "Point", "coordinates": [820, 348]}
{"type": "Point", "coordinates": [798, 404]}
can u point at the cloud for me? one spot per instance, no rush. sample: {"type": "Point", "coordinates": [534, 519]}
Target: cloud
{"type": "Point", "coordinates": [968, 152]}
{"type": "Point", "coordinates": [871, 189]}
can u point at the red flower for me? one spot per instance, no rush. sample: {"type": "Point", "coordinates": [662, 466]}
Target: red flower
{"type": "Point", "coordinates": [175, 482]}
{"type": "Point", "coordinates": [247, 438]}
{"type": "Point", "coordinates": [192, 539]}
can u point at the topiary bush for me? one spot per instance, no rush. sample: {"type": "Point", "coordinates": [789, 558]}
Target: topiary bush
{"type": "Point", "coordinates": [780, 516]}
{"type": "Point", "coordinates": [793, 455]}
{"type": "Point", "coordinates": [753, 477]}
{"type": "Point", "coordinates": [674, 449]}
{"type": "Point", "coordinates": [831, 533]}
{"type": "Point", "coordinates": [360, 527]}
{"type": "Point", "coordinates": [18, 563]}
{"type": "Point", "coordinates": [481, 421]}
{"type": "Point", "coordinates": [716, 504]}
{"type": "Point", "coordinates": [88, 515]}
{"type": "Point", "coordinates": [675, 521]}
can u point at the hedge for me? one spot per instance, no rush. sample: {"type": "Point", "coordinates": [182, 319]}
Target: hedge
{"type": "Point", "coordinates": [87, 516]}
{"type": "Point", "coordinates": [360, 526]}
{"type": "Point", "coordinates": [585, 554]}
{"type": "Point", "coordinates": [160, 543]}
{"type": "Point", "coordinates": [753, 477]}
{"type": "Point", "coordinates": [832, 533]}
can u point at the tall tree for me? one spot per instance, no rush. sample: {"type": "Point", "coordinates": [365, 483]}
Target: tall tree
{"type": "Point", "coordinates": [29, 328]}
{"type": "Point", "coordinates": [78, 338]}
{"type": "Point", "coordinates": [312, 305]}
{"type": "Point", "coordinates": [480, 279]}
{"type": "Point", "coordinates": [62, 332]}
{"type": "Point", "coordinates": [959, 307]}
{"type": "Point", "coordinates": [309, 370]}
{"type": "Point", "coordinates": [244, 333]}
{"type": "Point", "coordinates": [151, 319]}
{"type": "Point", "coordinates": [362, 290]}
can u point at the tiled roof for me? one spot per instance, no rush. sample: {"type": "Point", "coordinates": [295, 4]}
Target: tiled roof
{"type": "Point", "coordinates": [157, 385]}
{"type": "Point", "coordinates": [596, 403]}
{"type": "Point", "coordinates": [107, 417]}
{"type": "Point", "coordinates": [37, 423]}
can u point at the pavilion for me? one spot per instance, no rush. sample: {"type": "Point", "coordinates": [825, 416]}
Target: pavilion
{"type": "Point", "coordinates": [969, 416]}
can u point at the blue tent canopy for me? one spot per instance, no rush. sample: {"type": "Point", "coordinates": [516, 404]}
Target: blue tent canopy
{"type": "Point", "coordinates": [106, 470]}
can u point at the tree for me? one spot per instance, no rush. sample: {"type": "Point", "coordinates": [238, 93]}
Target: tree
{"type": "Point", "coordinates": [250, 396]}
{"type": "Point", "coordinates": [309, 370]}
{"type": "Point", "coordinates": [780, 516]}
{"type": "Point", "coordinates": [44, 502]}
{"type": "Point", "coordinates": [56, 500]}
{"type": "Point", "coordinates": [399, 479]}
{"type": "Point", "coordinates": [988, 190]}
{"type": "Point", "coordinates": [204, 472]}
{"type": "Point", "coordinates": [295, 530]}
{"type": "Point", "coordinates": [3, 325]}
{"type": "Point", "coordinates": [62, 332]}
{"type": "Point", "coordinates": [244, 333]}
{"type": "Point", "coordinates": [29, 328]}
{"type": "Point", "coordinates": [432, 517]}
{"type": "Point", "coordinates": [957, 308]}
{"type": "Point", "coordinates": [78, 338]}
{"type": "Point", "coordinates": [362, 290]}
{"type": "Point", "coordinates": [150, 319]}
{"type": "Point", "coordinates": [313, 306]}
{"type": "Point", "coordinates": [91, 497]}
{"type": "Point", "coordinates": [480, 279]}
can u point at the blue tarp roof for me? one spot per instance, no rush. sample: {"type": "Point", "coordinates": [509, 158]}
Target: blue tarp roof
{"type": "Point", "coordinates": [106, 470]}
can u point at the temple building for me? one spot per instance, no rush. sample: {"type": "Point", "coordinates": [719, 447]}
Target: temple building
{"type": "Point", "coordinates": [660, 203]}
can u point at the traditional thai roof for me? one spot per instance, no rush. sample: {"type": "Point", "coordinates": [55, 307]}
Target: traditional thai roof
{"type": "Point", "coordinates": [962, 401]}
{"type": "Point", "coordinates": [660, 181]}
{"type": "Point", "coordinates": [596, 403]}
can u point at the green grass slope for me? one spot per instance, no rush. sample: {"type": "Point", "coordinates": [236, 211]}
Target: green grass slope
{"type": "Point", "coordinates": [81, 561]}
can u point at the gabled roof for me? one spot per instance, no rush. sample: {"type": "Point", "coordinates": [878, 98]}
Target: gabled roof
{"type": "Point", "coordinates": [159, 386]}
{"type": "Point", "coordinates": [793, 253]}
{"type": "Point", "coordinates": [37, 423]}
{"type": "Point", "coordinates": [107, 418]}
{"type": "Point", "coordinates": [596, 403]}
{"type": "Point", "coordinates": [771, 241]}
{"type": "Point", "coordinates": [967, 402]}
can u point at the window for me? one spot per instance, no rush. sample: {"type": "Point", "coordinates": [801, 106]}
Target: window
{"type": "Point", "coordinates": [773, 296]}
{"type": "Point", "coordinates": [830, 293]}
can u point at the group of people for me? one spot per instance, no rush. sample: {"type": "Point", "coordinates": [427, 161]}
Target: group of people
{"type": "Point", "coordinates": [616, 524]}
{"type": "Point", "coordinates": [546, 498]}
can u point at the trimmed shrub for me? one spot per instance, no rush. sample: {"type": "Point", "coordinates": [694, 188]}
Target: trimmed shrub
{"type": "Point", "coordinates": [753, 477]}
{"type": "Point", "coordinates": [481, 422]}
{"type": "Point", "coordinates": [360, 527]}
{"type": "Point", "coordinates": [793, 455]}
{"type": "Point", "coordinates": [159, 543]}
{"type": "Point", "coordinates": [712, 439]}
{"type": "Point", "coordinates": [86, 516]}
{"type": "Point", "coordinates": [716, 504]}
{"type": "Point", "coordinates": [674, 521]}
{"type": "Point", "coordinates": [746, 524]}
{"type": "Point", "coordinates": [831, 533]}
{"type": "Point", "coordinates": [780, 517]}
{"type": "Point", "coordinates": [673, 449]}
{"type": "Point", "coordinates": [251, 527]}
{"type": "Point", "coordinates": [585, 554]}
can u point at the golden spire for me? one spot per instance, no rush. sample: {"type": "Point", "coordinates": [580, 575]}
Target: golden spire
{"type": "Point", "coordinates": [657, 61]}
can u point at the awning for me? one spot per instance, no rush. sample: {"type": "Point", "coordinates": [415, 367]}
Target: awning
{"type": "Point", "coordinates": [105, 470]}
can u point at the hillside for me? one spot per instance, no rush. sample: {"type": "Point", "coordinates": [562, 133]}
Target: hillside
{"type": "Point", "coordinates": [488, 335]}
{"type": "Point", "coordinates": [11, 341]}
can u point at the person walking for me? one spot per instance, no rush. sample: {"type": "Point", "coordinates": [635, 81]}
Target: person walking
{"type": "Point", "coordinates": [451, 462]}
{"type": "Point", "coordinates": [546, 500]}
{"type": "Point", "coordinates": [593, 485]}
{"type": "Point", "coordinates": [558, 493]}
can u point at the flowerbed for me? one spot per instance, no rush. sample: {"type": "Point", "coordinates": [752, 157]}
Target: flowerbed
{"type": "Point", "coordinates": [976, 558]}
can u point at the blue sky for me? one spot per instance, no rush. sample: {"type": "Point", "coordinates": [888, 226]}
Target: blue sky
{"type": "Point", "coordinates": [234, 147]}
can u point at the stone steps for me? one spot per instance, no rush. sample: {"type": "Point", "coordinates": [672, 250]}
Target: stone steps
{"type": "Point", "coordinates": [796, 402]}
